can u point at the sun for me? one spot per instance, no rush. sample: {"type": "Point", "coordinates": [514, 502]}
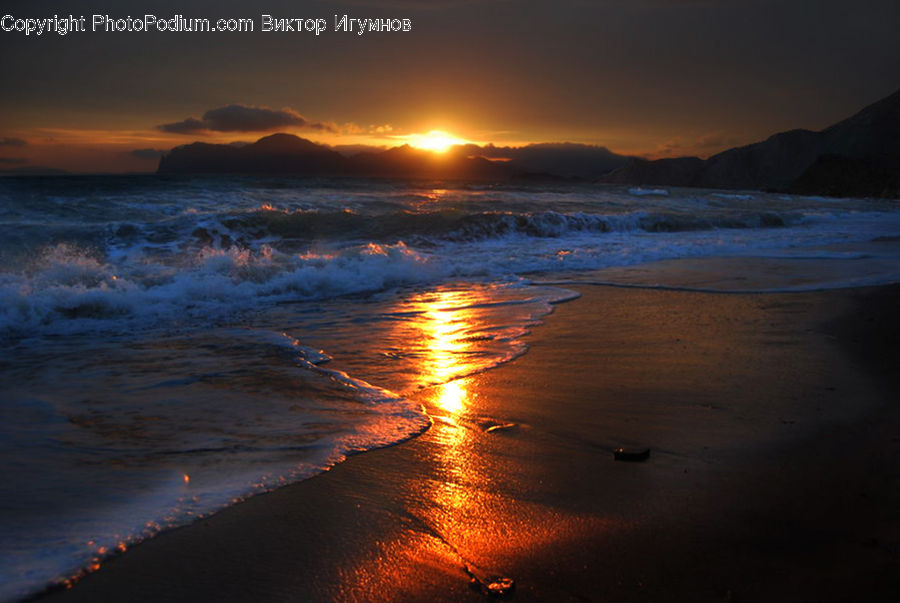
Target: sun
{"type": "Point", "coordinates": [435, 140]}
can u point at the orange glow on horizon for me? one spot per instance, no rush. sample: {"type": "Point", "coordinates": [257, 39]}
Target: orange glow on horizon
{"type": "Point", "coordinates": [435, 140]}
{"type": "Point", "coordinates": [107, 150]}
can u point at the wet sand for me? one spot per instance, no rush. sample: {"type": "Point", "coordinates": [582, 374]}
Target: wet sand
{"type": "Point", "coordinates": [774, 472]}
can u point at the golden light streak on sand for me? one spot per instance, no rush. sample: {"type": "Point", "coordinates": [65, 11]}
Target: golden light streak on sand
{"type": "Point", "coordinates": [459, 520]}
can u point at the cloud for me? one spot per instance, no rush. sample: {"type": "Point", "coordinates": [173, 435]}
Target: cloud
{"type": "Point", "coordinates": [238, 118]}
{"type": "Point", "coordinates": [241, 118]}
{"type": "Point", "coordinates": [187, 126]}
{"type": "Point", "coordinates": [12, 142]}
{"type": "Point", "coordinates": [382, 130]}
{"type": "Point", "coordinates": [13, 160]}
{"type": "Point", "coordinates": [148, 154]}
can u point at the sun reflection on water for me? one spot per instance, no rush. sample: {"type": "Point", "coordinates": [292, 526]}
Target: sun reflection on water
{"type": "Point", "coordinates": [463, 516]}
{"type": "Point", "coordinates": [444, 333]}
{"type": "Point", "coordinates": [449, 331]}
{"type": "Point", "coordinates": [451, 397]}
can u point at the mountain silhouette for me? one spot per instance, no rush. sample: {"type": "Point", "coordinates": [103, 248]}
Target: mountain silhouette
{"type": "Point", "coordinates": [278, 153]}
{"type": "Point", "coordinates": [859, 156]}
{"type": "Point", "coordinates": [289, 154]}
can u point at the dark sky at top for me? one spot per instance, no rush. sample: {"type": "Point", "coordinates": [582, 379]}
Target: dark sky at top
{"type": "Point", "coordinates": [642, 76]}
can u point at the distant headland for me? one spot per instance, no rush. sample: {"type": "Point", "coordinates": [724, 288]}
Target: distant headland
{"type": "Point", "coordinates": [859, 156]}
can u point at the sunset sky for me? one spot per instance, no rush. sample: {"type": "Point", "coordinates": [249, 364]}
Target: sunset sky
{"type": "Point", "coordinates": [647, 77]}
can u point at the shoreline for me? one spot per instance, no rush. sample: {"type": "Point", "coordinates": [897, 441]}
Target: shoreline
{"type": "Point", "coordinates": [740, 398]}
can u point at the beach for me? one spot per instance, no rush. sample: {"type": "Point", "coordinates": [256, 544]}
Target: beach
{"type": "Point", "coordinates": [450, 301]}
{"type": "Point", "coordinates": [773, 472]}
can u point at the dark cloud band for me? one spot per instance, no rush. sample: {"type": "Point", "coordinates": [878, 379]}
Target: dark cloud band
{"type": "Point", "coordinates": [12, 142]}
{"type": "Point", "coordinates": [241, 118]}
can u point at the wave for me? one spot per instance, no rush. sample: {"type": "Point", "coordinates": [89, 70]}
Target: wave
{"type": "Point", "coordinates": [145, 432]}
{"type": "Point", "coordinates": [259, 257]}
{"type": "Point", "coordinates": [292, 229]}
{"type": "Point", "coordinates": [66, 282]}
{"type": "Point", "coordinates": [186, 377]}
{"type": "Point", "coordinates": [134, 461]}
{"type": "Point", "coordinates": [454, 225]}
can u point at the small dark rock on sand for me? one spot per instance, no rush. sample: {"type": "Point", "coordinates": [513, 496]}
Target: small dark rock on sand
{"type": "Point", "coordinates": [631, 454]}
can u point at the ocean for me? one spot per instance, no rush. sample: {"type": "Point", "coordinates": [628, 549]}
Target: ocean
{"type": "Point", "coordinates": [173, 345]}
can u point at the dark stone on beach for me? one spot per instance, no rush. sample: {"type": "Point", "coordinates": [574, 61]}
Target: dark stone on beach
{"type": "Point", "coordinates": [631, 454]}
{"type": "Point", "coordinates": [496, 586]}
